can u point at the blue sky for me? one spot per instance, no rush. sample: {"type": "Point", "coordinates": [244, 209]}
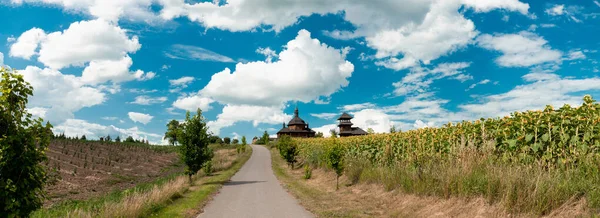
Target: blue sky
{"type": "Point", "coordinates": [128, 67]}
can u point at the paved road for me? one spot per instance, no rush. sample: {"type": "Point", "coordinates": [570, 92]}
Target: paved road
{"type": "Point", "coordinates": [254, 192]}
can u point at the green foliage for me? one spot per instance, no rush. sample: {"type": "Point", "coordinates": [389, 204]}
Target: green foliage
{"type": "Point", "coordinates": [288, 150]}
{"type": "Point", "coordinates": [23, 145]}
{"type": "Point", "coordinates": [242, 147]}
{"type": "Point", "coordinates": [118, 139]}
{"type": "Point", "coordinates": [319, 135]}
{"type": "Point", "coordinates": [264, 139]}
{"type": "Point", "coordinates": [107, 138]}
{"type": "Point", "coordinates": [208, 168]}
{"type": "Point", "coordinates": [393, 129]}
{"type": "Point", "coordinates": [370, 131]}
{"type": "Point", "coordinates": [227, 140]}
{"type": "Point", "coordinates": [307, 172]}
{"type": "Point", "coordinates": [194, 140]}
{"type": "Point", "coordinates": [335, 159]}
{"type": "Point", "coordinates": [83, 138]}
{"type": "Point", "coordinates": [174, 130]}
{"type": "Point", "coordinates": [235, 141]}
{"type": "Point", "coordinates": [214, 139]}
{"type": "Point", "coordinates": [333, 133]}
{"type": "Point", "coordinates": [130, 139]}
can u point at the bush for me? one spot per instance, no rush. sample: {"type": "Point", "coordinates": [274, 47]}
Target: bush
{"type": "Point", "coordinates": [227, 140]}
{"type": "Point", "coordinates": [307, 172]}
{"type": "Point", "coordinates": [288, 150]}
{"type": "Point", "coordinates": [23, 144]}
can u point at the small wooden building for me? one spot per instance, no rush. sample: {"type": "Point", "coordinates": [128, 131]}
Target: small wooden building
{"type": "Point", "coordinates": [345, 126]}
{"type": "Point", "coordinates": [296, 128]}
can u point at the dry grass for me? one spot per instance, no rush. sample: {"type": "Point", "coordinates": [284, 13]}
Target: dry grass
{"type": "Point", "coordinates": [378, 192]}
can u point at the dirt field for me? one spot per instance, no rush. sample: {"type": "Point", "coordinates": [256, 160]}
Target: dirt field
{"type": "Point", "coordinates": [90, 168]}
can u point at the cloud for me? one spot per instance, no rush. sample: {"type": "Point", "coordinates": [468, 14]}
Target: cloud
{"type": "Point", "coordinates": [556, 10]}
{"type": "Point", "coordinates": [110, 118]}
{"type": "Point", "coordinates": [232, 114]}
{"type": "Point", "coordinates": [482, 82]}
{"type": "Point", "coordinates": [268, 53]}
{"type": "Point", "coordinates": [116, 71]}
{"type": "Point", "coordinates": [147, 100]}
{"type": "Point", "coordinates": [325, 129]}
{"type": "Point", "coordinates": [356, 107]}
{"type": "Point", "coordinates": [575, 55]}
{"type": "Point", "coordinates": [143, 91]}
{"type": "Point", "coordinates": [520, 50]}
{"type": "Point", "coordinates": [27, 44]}
{"type": "Point", "coordinates": [82, 42]}
{"type": "Point", "coordinates": [133, 10]}
{"type": "Point", "coordinates": [597, 3]}
{"type": "Point", "coordinates": [421, 30]}
{"type": "Point", "coordinates": [326, 116]}
{"type": "Point", "coordinates": [59, 95]}
{"type": "Point", "coordinates": [180, 83]}
{"type": "Point", "coordinates": [195, 53]}
{"type": "Point", "coordinates": [419, 79]}
{"type": "Point", "coordinates": [105, 46]}
{"type": "Point", "coordinates": [543, 89]}
{"type": "Point", "coordinates": [419, 124]}
{"type": "Point", "coordinates": [306, 70]}
{"type": "Point", "coordinates": [1, 59]}
{"type": "Point", "coordinates": [192, 103]}
{"type": "Point", "coordinates": [140, 117]}
{"type": "Point", "coordinates": [77, 127]}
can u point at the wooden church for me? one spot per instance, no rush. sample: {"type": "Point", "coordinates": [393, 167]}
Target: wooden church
{"type": "Point", "coordinates": [296, 128]}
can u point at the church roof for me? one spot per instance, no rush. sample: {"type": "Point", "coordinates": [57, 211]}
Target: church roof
{"type": "Point", "coordinates": [345, 116]}
{"type": "Point", "coordinates": [354, 131]}
{"type": "Point", "coordinates": [296, 120]}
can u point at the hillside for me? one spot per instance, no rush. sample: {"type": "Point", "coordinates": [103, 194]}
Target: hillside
{"type": "Point", "coordinates": [87, 169]}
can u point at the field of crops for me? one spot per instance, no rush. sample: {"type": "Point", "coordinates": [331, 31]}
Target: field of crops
{"type": "Point", "coordinates": [533, 161]}
{"type": "Point", "coordinates": [553, 138]}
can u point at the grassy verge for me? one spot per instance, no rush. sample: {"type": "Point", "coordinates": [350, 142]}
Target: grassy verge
{"type": "Point", "coordinates": [191, 203]}
{"type": "Point", "coordinates": [473, 186]}
{"type": "Point", "coordinates": [311, 198]}
{"type": "Point", "coordinates": [145, 198]}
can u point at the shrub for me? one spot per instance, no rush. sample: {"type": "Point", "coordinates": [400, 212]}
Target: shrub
{"type": "Point", "coordinates": [227, 140]}
{"type": "Point", "coordinates": [307, 172]}
{"type": "Point", "coordinates": [288, 150]}
{"type": "Point", "coordinates": [23, 144]}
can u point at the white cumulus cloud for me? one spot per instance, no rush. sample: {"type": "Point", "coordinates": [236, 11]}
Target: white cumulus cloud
{"type": "Point", "coordinates": [140, 117]}
{"type": "Point", "coordinates": [305, 70]}
{"type": "Point", "coordinates": [520, 50]}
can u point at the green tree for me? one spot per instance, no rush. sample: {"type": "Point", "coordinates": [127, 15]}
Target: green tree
{"type": "Point", "coordinates": [333, 133]}
{"type": "Point", "coordinates": [214, 139]}
{"type": "Point", "coordinates": [242, 147]}
{"type": "Point", "coordinates": [264, 139]}
{"type": "Point", "coordinates": [108, 139]}
{"type": "Point", "coordinates": [194, 140]}
{"type": "Point", "coordinates": [235, 141]}
{"type": "Point", "coordinates": [288, 150]}
{"type": "Point", "coordinates": [83, 138]}
{"type": "Point", "coordinates": [118, 139]}
{"type": "Point", "coordinates": [23, 145]}
{"type": "Point", "coordinates": [130, 139]}
{"type": "Point", "coordinates": [393, 129]}
{"type": "Point", "coordinates": [370, 131]}
{"type": "Point", "coordinates": [227, 140]}
{"type": "Point", "coordinates": [173, 132]}
{"type": "Point", "coordinates": [335, 160]}
{"type": "Point", "coordinates": [319, 135]}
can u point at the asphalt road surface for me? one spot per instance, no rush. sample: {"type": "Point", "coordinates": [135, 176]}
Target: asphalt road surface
{"type": "Point", "coordinates": [254, 192]}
